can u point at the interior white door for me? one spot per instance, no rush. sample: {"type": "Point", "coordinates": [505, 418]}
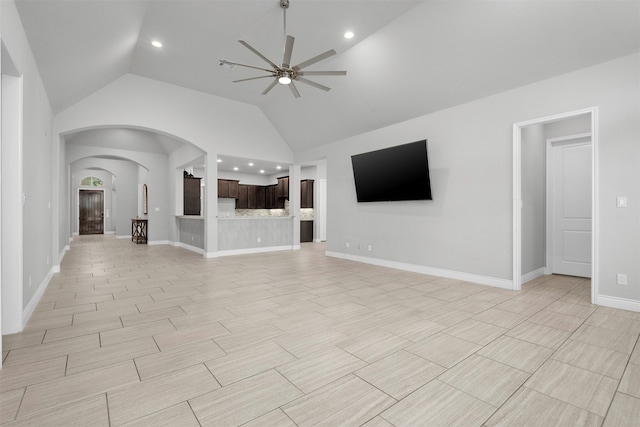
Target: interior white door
{"type": "Point", "coordinates": [571, 208]}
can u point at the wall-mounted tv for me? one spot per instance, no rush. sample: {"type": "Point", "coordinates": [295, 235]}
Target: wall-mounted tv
{"type": "Point", "coordinates": [393, 174]}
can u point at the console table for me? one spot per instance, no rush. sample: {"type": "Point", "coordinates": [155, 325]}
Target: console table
{"type": "Point", "coordinates": [139, 230]}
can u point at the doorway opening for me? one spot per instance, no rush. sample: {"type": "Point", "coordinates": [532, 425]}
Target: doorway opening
{"type": "Point", "coordinates": [536, 211]}
{"type": "Point", "coordinates": [91, 212]}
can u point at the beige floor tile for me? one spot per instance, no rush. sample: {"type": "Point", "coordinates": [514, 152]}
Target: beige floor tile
{"type": "Point", "coordinates": [44, 324]}
{"type": "Point", "coordinates": [152, 316]}
{"type": "Point", "coordinates": [348, 401]}
{"type": "Point", "coordinates": [24, 339]}
{"type": "Point", "coordinates": [316, 370]}
{"type": "Point", "coordinates": [58, 312]}
{"type": "Point", "coordinates": [630, 383]}
{"type": "Point", "coordinates": [275, 418]}
{"type": "Point", "coordinates": [104, 356]}
{"type": "Point", "coordinates": [191, 334]}
{"type": "Point", "coordinates": [374, 345]}
{"type": "Point", "coordinates": [528, 407]}
{"type": "Point", "coordinates": [595, 359]}
{"type": "Point", "coordinates": [501, 318]}
{"type": "Point", "coordinates": [635, 356]}
{"type": "Point", "coordinates": [81, 329]}
{"type": "Point", "coordinates": [159, 393]}
{"type": "Point", "coordinates": [179, 415]}
{"type": "Point", "coordinates": [52, 350]}
{"type": "Point", "coordinates": [614, 322]}
{"type": "Point", "coordinates": [516, 353]}
{"type": "Point", "coordinates": [89, 412]}
{"type": "Point", "coordinates": [377, 422]}
{"type": "Point", "coordinates": [131, 333]}
{"type": "Point", "coordinates": [400, 373]}
{"type": "Point", "coordinates": [525, 308]}
{"type": "Point", "coordinates": [303, 343]}
{"type": "Point", "coordinates": [556, 320]}
{"type": "Point", "coordinates": [104, 314]}
{"type": "Point", "coordinates": [124, 302]}
{"type": "Point", "coordinates": [445, 316]}
{"type": "Point", "coordinates": [607, 338]}
{"type": "Point", "coordinates": [244, 400]}
{"type": "Point", "coordinates": [624, 411]}
{"type": "Point", "coordinates": [485, 379]}
{"type": "Point", "coordinates": [575, 310]}
{"type": "Point", "coordinates": [539, 334]}
{"type": "Point", "coordinates": [579, 387]}
{"type": "Point", "coordinates": [475, 331]}
{"type": "Point", "coordinates": [66, 390]}
{"type": "Point", "coordinates": [414, 328]}
{"type": "Point", "coordinates": [248, 337]}
{"type": "Point", "coordinates": [177, 358]}
{"type": "Point", "coordinates": [246, 363]}
{"type": "Point", "coordinates": [20, 376]}
{"type": "Point", "coordinates": [10, 403]}
{"type": "Point", "coordinates": [443, 349]}
{"type": "Point", "coordinates": [440, 405]}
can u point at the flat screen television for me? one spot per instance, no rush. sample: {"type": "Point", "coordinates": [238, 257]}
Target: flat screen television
{"type": "Point", "coordinates": [393, 174]}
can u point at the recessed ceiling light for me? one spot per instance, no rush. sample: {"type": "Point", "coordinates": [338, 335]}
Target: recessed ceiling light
{"type": "Point", "coordinates": [156, 43]}
{"type": "Point", "coordinates": [278, 167]}
{"type": "Point", "coordinates": [235, 168]}
{"type": "Point", "coordinates": [348, 35]}
{"type": "Point", "coordinates": [219, 160]}
{"type": "Point", "coordinates": [250, 164]}
{"type": "Point", "coordinates": [261, 170]}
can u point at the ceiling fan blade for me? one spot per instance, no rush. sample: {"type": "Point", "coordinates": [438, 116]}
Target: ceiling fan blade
{"type": "Point", "coordinates": [288, 49]}
{"type": "Point", "coordinates": [315, 59]}
{"type": "Point", "coordinates": [225, 61]}
{"type": "Point", "coordinates": [248, 46]}
{"type": "Point", "coordinates": [294, 90]}
{"type": "Point", "coordinates": [314, 84]}
{"type": "Point", "coordinates": [322, 73]}
{"type": "Point", "coordinates": [252, 78]}
{"type": "Point", "coordinates": [273, 83]}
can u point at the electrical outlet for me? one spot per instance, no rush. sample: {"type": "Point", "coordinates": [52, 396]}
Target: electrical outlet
{"type": "Point", "coordinates": [29, 281]}
{"type": "Point", "coordinates": [47, 260]}
{"type": "Point", "coordinates": [621, 279]}
{"type": "Point", "coordinates": [347, 244]}
{"type": "Point", "coordinates": [369, 248]}
{"type": "Point", "coordinates": [259, 239]}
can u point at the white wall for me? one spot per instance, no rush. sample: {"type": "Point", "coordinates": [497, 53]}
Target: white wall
{"type": "Point", "coordinates": [40, 259]}
{"type": "Point", "coordinates": [467, 227]}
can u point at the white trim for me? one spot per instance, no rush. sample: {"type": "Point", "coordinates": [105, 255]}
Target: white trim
{"type": "Point", "coordinates": [517, 194]}
{"type": "Point", "coordinates": [250, 251]}
{"type": "Point", "coordinates": [123, 236]}
{"type": "Point", "coordinates": [157, 242]}
{"type": "Point", "coordinates": [432, 271]}
{"type": "Point", "coordinates": [619, 303]}
{"type": "Point", "coordinates": [532, 275]}
{"type": "Point", "coordinates": [29, 309]}
{"type": "Point", "coordinates": [187, 247]}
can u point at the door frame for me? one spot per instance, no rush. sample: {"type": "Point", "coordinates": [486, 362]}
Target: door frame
{"type": "Point", "coordinates": [517, 194]}
{"type": "Point", "coordinates": [578, 139]}
{"type": "Point", "coordinates": [78, 207]}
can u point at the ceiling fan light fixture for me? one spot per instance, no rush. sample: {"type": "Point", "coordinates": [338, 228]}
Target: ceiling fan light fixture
{"type": "Point", "coordinates": [284, 79]}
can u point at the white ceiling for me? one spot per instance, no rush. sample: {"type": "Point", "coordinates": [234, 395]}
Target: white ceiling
{"type": "Point", "coordinates": [408, 58]}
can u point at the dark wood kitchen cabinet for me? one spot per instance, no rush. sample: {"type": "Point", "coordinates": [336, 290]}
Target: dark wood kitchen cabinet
{"type": "Point", "coordinates": [271, 197]}
{"type": "Point", "coordinates": [306, 231]}
{"type": "Point", "coordinates": [283, 187]}
{"type": "Point", "coordinates": [243, 197]}
{"type": "Point", "coordinates": [306, 193]}
{"type": "Point", "coordinates": [252, 196]}
{"type": "Point", "coordinates": [261, 197]}
{"type": "Point", "coordinates": [228, 188]}
{"type": "Point", "coordinates": [191, 193]}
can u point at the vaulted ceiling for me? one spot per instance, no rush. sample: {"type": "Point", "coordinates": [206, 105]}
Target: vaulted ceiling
{"type": "Point", "coordinates": [408, 58]}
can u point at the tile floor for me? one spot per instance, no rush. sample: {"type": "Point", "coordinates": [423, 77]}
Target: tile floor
{"type": "Point", "coordinates": [141, 335]}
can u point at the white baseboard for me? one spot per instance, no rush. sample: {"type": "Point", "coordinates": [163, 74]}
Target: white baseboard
{"type": "Point", "coordinates": [187, 247]}
{"type": "Point", "coordinates": [157, 242]}
{"type": "Point", "coordinates": [432, 271]}
{"type": "Point", "coordinates": [28, 310]}
{"type": "Point", "coordinates": [250, 251]}
{"type": "Point", "coordinates": [620, 303]}
{"type": "Point", "coordinates": [533, 275]}
{"type": "Point", "coordinates": [123, 236]}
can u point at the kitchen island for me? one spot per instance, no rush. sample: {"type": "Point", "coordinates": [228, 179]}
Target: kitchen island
{"type": "Point", "coordinates": [244, 234]}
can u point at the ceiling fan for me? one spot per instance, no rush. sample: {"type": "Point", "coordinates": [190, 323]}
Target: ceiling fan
{"type": "Point", "coordinates": [285, 73]}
